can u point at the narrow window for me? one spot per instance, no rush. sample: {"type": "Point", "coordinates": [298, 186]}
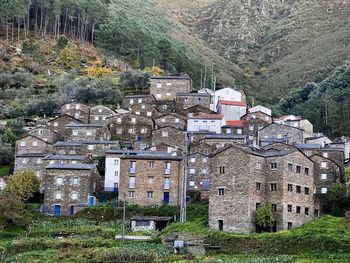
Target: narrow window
{"type": "Point", "coordinates": [221, 225]}
{"type": "Point", "coordinates": [316, 212]}
{"type": "Point", "coordinates": [273, 187]}
{"type": "Point", "coordinates": [290, 207]}
{"type": "Point", "coordinates": [289, 225]}
{"type": "Point", "coordinates": [306, 211]}
{"type": "Point", "coordinates": [258, 165]}
{"type": "Point", "coordinates": [298, 189]}
{"type": "Point", "coordinates": [298, 209]}
{"type": "Point", "coordinates": [298, 169]}
{"type": "Point", "coordinates": [222, 169]}
{"type": "Point", "coordinates": [273, 166]}
{"type": "Point", "coordinates": [307, 190]}
{"type": "Point", "coordinates": [131, 194]}
{"type": "Point", "coordinates": [151, 164]}
{"type": "Point", "coordinates": [290, 188]}
{"type": "Point", "coordinates": [221, 191]}
{"type": "Point", "coordinates": [290, 167]}
{"type": "Point", "coordinates": [149, 194]}
{"type": "Point", "coordinates": [257, 205]}
{"type": "Point", "coordinates": [306, 171]}
{"type": "Point", "coordinates": [258, 186]}
{"type": "Point", "coordinates": [274, 207]}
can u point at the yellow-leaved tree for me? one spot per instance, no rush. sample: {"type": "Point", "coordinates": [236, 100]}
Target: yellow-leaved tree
{"type": "Point", "coordinates": [154, 71]}
{"type": "Point", "coordinates": [97, 70]}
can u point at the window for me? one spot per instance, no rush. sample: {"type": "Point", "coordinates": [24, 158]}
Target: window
{"type": "Point", "coordinates": [298, 189]}
{"type": "Point", "coordinates": [159, 85]}
{"type": "Point", "coordinates": [257, 205]}
{"type": "Point", "coordinates": [222, 169]}
{"type": "Point", "coordinates": [168, 94]}
{"type": "Point", "coordinates": [149, 114]}
{"type": "Point", "coordinates": [274, 207]}
{"type": "Point", "coordinates": [77, 106]}
{"type": "Point", "coordinates": [39, 160]}
{"type": "Point", "coordinates": [162, 120]}
{"type": "Point", "coordinates": [193, 159]}
{"type": "Point", "coordinates": [24, 160]}
{"type": "Point", "coordinates": [306, 211]}
{"type": "Point", "coordinates": [192, 171]}
{"type": "Point", "coordinates": [119, 120]}
{"type": "Point", "coordinates": [316, 212]}
{"type": "Point", "coordinates": [290, 167]}
{"type": "Point", "coordinates": [132, 182]}
{"type": "Point", "coordinates": [289, 225]}
{"type": "Point", "coordinates": [59, 180]}
{"type": "Point", "coordinates": [258, 186]}
{"type": "Point", "coordinates": [204, 170]}
{"type": "Point", "coordinates": [323, 164]}
{"type": "Point", "coordinates": [192, 183]}
{"type": "Point", "coordinates": [75, 132]}
{"type": "Point", "coordinates": [251, 127]}
{"type": "Point", "coordinates": [149, 194]}
{"type": "Point", "coordinates": [206, 183]}
{"type": "Point", "coordinates": [91, 147]}
{"type": "Point", "coordinates": [165, 134]}
{"type": "Point", "coordinates": [325, 155]}
{"type": "Point", "coordinates": [324, 176]}
{"type": "Point", "coordinates": [158, 96]}
{"type": "Point", "coordinates": [116, 173]}
{"type": "Point", "coordinates": [75, 181]}
{"type": "Point", "coordinates": [204, 160]}
{"type": "Point", "coordinates": [253, 116]}
{"type": "Point", "coordinates": [77, 115]}
{"type": "Point", "coordinates": [100, 110]}
{"type": "Point", "coordinates": [228, 131]}
{"type": "Point", "coordinates": [177, 120]}
{"type": "Point", "coordinates": [307, 190]}
{"type": "Point", "coordinates": [151, 164]}
{"type": "Point", "coordinates": [150, 179]}
{"type": "Point", "coordinates": [131, 194]}
{"type": "Point", "coordinates": [289, 207]}
{"type": "Point", "coordinates": [167, 169]}
{"type": "Point", "coordinates": [324, 190]}
{"type": "Point", "coordinates": [298, 169]}
{"type": "Point", "coordinates": [273, 187]}
{"type": "Point", "coordinates": [273, 166]}
{"type": "Point", "coordinates": [116, 162]}
{"type": "Point", "coordinates": [165, 107]}
{"type": "Point", "coordinates": [131, 101]}
{"type": "Point", "coordinates": [132, 130]}
{"type": "Point", "coordinates": [55, 124]}
{"type": "Point", "coordinates": [133, 120]}
{"type": "Point", "coordinates": [166, 183]}
{"type": "Point", "coordinates": [35, 144]}
{"type": "Point", "coordinates": [74, 195]}
{"type": "Point", "coordinates": [221, 191]}
{"type": "Point", "coordinates": [258, 166]}
{"type": "Point", "coordinates": [221, 225]}
{"type": "Point", "coordinates": [239, 131]}
{"type": "Point", "coordinates": [298, 209]}
{"type": "Point", "coordinates": [58, 195]}
{"type": "Point", "coordinates": [290, 188]}
{"type": "Point", "coordinates": [143, 107]}
{"type": "Point", "coordinates": [279, 136]}
{"type": "Point", "coordinates": [137, 112]}
{"type": "Point", "coordinates": [139, 100]}
{"type": "Point", "coordinates": [96, 118]}
{"type": "Point", "coordinates": [306, 171]}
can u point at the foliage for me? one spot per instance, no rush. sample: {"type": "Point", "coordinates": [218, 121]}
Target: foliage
{"type": "Point", "coordinates": [347, 179]}
{"type": "Point", "coordinates": [265, 217]}
{"type": "Point", "coordinates": [32, 49]}
{"type": "Point", "coordinates": [154, 71]}
{"type": "Point", "coordinates": [12, 211]}
{"type": "Point", "coordinates": [338, 198]}
{"type": "Point", "coordinates": [69, 57]}
{"type": "Point", "coordinates": [22, 184]}
{"type": "Point", "coordinates": [61, 42]}
{"type": "Point", "coordinates": [97, 70]}
{"type": "Point", "coordinates": [135, 79]}
{"type": "Point", "coordinates": [5, 170]}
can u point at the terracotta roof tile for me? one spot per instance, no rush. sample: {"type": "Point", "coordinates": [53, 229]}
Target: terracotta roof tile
{"type": "Point", "coordinates": [233, 103]}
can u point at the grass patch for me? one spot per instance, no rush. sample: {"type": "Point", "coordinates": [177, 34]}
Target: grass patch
{"type": "Point", "coordinates": [5, 170]}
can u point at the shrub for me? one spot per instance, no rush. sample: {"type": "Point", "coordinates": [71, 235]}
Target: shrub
{"type": "Point", "coordinates": [62, 42]}
{"type": "Point", "coordinates": [32, 49]}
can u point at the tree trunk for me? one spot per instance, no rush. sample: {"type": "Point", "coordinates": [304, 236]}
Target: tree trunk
{"type": "Point", "coordinates": [18, 29]}
{"type": "Point", "coordinates": [7, 31]}
{"type": "Point", "coordinates": [12, 26]}
{"type": "Point", "coordinates": [41, 16]}
{"type": "Point", "coordinates": [36, 19]}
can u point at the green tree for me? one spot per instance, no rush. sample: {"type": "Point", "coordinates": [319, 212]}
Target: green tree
{"type": "Point", "coordinates": [22, 184]}
{"type": "Point", "coordinates": [265, 218]}
{"type": "Point", "coordinates": [338, 198]}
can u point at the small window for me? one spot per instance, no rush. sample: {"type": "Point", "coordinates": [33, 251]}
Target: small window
{"type": "Point", "coordinates": [133, 120]}
{"type": "Point", "coordinates": [35, 144]}
{"type": "Point", "coordinates": [273, 166]}
{"type": "Point", "coordinates": [257, 205]}
{"type": "Point", "coordinates": [165, 107]}
{"type": "Point", "coordinates": [165, 134]}
{"type": "Point", "coordinates": [290, 208]}
{"type": "Point", "coordinates": [289, 225]}
{"type": "Point", "coordinates": [204, 160]}
{"type": "Point", "coordinates": [91, 147]}
{"type": "Point", "coordinates": [59, 180]}
{"type": "Point", "coordinates": [273, 187]}
{"type": "Point", "coordinates": [192, 183]}
{"type": "Point", "coordinates": [290, 188]}
{"type": "Point", "coordinates": [251, 127]}
{"type": "Point", "coordinates": [307, 190]}
{"type": "Point", "coordinates": [96, 118]}
{"type": "Point", "coordinates": [149, 114]}
{"type": "Point", "coordinates": [239, 131]}
{"type": "Point", "coordinates": [159, 85]}
{"type": "Point", "coordinates": [298, 189]}
{"type": "Point", "coordinates": [100, 110]}
{"type": "Point", "coordinates": [290, 167]}
{"type": "Point", "coordinates": [323, 164]}
{"type": "Point", "coordinates": [204, 170]}
{"type": "Point", "coordinates": [137, 113]}
{"type": "Point", "coordinates": [298, 209]}
{"type": "Point", "coordinates": [131, 194]}
{"type": "Point", "coordinates": [306, 171]}
{"type": "Point", "coordinates": [39, 160]}
{"type": "Point", "coordinates": [149, 194]}
{"type": "Point", "coordinates": [222, 169]}
{"type": "Point", "coordinates": [116, 173]}
{"type": "Point", "coordinates": [119, 120]}
{"type": "Point", "coordinates": [75, 181]}
{"type": "Point", "coordinates": [150, 179]}
{"type": "Point", "coordinates": [193, 159]}
{"type": "Point", "coordinates": [274, 207]}
{"type": "Point", "coordinates": [88, 133]}
{"type": "Point", "coordinates": [325, 155]}
{"type": "Point", "coordinates": [58, 196]}
{"type": "Point", "coordinates": [192, 171]}
{"type": "Point", "coordinates": [116, 162]}
{"type": "Point", "coordinates": [75, 132]}
{"type": "Point", "coordinates": [139, 100]}
{"type": "Point", "coordinates": [151, 164]}
{"type": "Point", "coordinates": [324, 190]}
{"type": "Point", "coordinates": [221, 191]}
{"type": "Point", "coordinates": [55, 124]}
{"type": "Point", "coordinates": [323, 176]}
{"type": "Point", "coordinates": [131, 101]}
{"type": "Point", "coordinates": [177, 120]}
{"type": "Point", "coordinates": [316, 213]}
{"type": "Point", "coordinates": [306, 211]}
{"type": "Point", "coordinates": [258, 165]}
{"type": "Point", "coordinates": [258, 186]}
{"type": "Point", "coordinates": [74, 196]}
{"type": "Point", "coordinates": [77, 106]}
{"type": "Point", "coordinates": [298, 169]}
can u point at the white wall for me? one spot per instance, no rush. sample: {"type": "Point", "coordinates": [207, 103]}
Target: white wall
{"type": "Point", "coordinates": [212, 125]}
{"type": "Point", "coordinates": [232, 112]}
{"type": "Point", "coordinates": [226, 94]}
{"type": "Point", "coordinates": [110, 173]}
{"type": "Point", "coordinates": [260, 108]}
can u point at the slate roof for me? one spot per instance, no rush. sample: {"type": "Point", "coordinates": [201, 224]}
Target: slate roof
{"type": "Point", "coordinates": [83, 166]}
{"type": "Point", "coordinates": [224, 136]}
{"type": "Point", "coordinates": [155, 155]}
{"type": "Point", "coordinates": [64, 157]}
{"type": "Point", "coordinates": [33, 155]}
{"type": "Point", "coordinates": [208, 116]}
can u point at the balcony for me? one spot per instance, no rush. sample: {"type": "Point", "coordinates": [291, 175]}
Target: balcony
{"type": "Point", "coordinates": [166, 186]}
{"type": "Point", "coordinates": [132, 170]}
{"type": "Point", "coordinates": [167, 171]}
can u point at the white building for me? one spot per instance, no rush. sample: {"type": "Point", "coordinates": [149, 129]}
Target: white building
{"type": "Point", "coordinates": [112, 170]}
{"type": "Point", "coordinates": [228, 94]}
{"type": "Point", "coordinates": [261, 109]}
{"type": "Point", "coordinates": [206, 122]}
{"type": "Point", "coordinates": [232, 110]}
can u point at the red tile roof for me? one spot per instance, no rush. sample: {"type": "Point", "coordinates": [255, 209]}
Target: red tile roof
{"type": "Point", "coordinates": [233, 103]}
{"type": "Point", "coordinates": [208, 116]}
{"type": "Point", "coordinates": [235, 123]}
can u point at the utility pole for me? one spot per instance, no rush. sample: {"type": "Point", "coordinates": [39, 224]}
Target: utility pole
{"type": "Point", "coordinates": [183, 208]}
{"type": "Point", "coordinates": [124, 213]}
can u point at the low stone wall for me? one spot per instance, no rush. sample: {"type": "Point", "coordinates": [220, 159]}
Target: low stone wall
{"type": "Point", "coordinates": [194, 243]}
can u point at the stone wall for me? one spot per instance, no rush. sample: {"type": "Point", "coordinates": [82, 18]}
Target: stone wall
{"type": "Point", "coordinates": [186, 100]}
{"type": "Point", "coordinates": [87, 132]}
{"type": "Point", "coordinates": [46, 134]}
{"type": "Point", "coordinates": [31, 144]}
{"type": "Point", "coordinates": [275, 130]}
{"type": "Point", "coordinates": [165, 88]}
{"type": "Point", "coordinates": [58, 124]}
{"type": "Point", "coordinates": [171, 120]}
{"type": "Point", "coordinates": [77, 110]}
{"type": "Point", "coordinates": [100, 114]}
{"type": "Point", "coordinates": [170, 136]}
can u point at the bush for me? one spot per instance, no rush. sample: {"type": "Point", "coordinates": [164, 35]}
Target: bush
{"type": "Point", "coordinates": [62, 42]}
{"type": "Point", "coordinates": [32, 49]}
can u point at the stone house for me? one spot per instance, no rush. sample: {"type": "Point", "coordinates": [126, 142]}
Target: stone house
{"type": "Point", "coordinates": [31, 162]}
{"type": "Point", "coordinates": [254, 121]}
{"type": "Point", "coordinates": [223, 140]}
{"type": "Point", "coordinates": [163, 147]}
{"type": "Point", "coordinates": [151, 178]}
{"type": "Point", "coordinates": [131, 127]}
{"type": "Point", "coordinates": [233, 127]}
{"type": "Point", "coordinates": [32, 144]}
{"type": "Point", "coordinates": [175, 120]}
{"type": "Point", "coordinates": [57, 158]}
{"type": "Point", "coordinates": [132, 100]}
{"type": "Point", "coordinates": [186, 100]}
{"type": "Point", "coordinates": [69, 188]}
{"type": "Point", "coordinates": [58, 124]}
{"type": "Point", "coordinates": [242, 179]}
{"type": "Point", "coordinates": [206, 123]}
{"type": "Point", "coordinates": [87, 132]}
{"type": "Point", "coordinates": [318, 139]}
{"type": "Point", "coordinates": [46, 134]}
{"type": "Point", "coordinates": [165, 106]}
{"type": "Point", "coordinates": [232, 110]}
{"type": "Point", "coordinates": [202, 147]}
{"type": "Point", "coordinates": [170, 136]}
{"type": "Point", "coordinates": [198, 176]}
{"type": "Point", "coordinates": [289, 134]}
{"type": "Point", "coordinates": [146, 110]}
{"type": "Point", "coordinates": [262, 109]}
{"type": "Point", "coordinates": [298, 122]}
{"type": "Point", "coordinates": [100, 114]}
{"type": "Point", "coordinates": [166, 87]}
{"type": "Point", "coordinates": [194, 110]}
{"type": "Point", "coordinates": [77, 110]}
{"type": "Point", "coordinates": [93, 148]}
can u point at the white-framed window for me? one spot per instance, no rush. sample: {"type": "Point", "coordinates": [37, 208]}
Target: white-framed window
{"type": "Point", "coordinates": [177, 120]}
{"type": "Point", "coordinates": [131, 194]}
{"type": "Point", "coordinates": [119, 120]}
{"type": "Point", "coordinates": [159, 85]}
{"type": "Point", "coordinates": [116, 162]}
{"type": "Point", "coordinates": [168, 84]}
{"type": "Point", "coordinates": [151, 164]}
{"type": "Point", "coordinates": [149, 194]}
{"type": "Point", "coordinates": [193, 159]}
{"type": "Point", "coordinates": [91, 147]}
{"type": "Point", "coordinates": [35, 144]}
{"type": "Point", "coordinates": [88, 133]}
{"type": "Point", "coordinates": [251, 127]}
{"type": "Point", "coordinates": [100, 110]}
{"type": "Point", "coordinates": [77, 106]}
{"type": "Point", "coordinates": [323, 176]}
{"type": "Point", "coordinates": [132, 130]}
{"type": "Point", "coordinates": [204, 160]}
{"type": "Point", "coordinates": [204, 171]}
{"type": "Point", "coordinates": [55, 124]}
{"type": "Point", "coordinates": [74, 195]}
{"type": "Point", "coordinates": [192, 170]}
{"type": "Point", "coordinates": [258, 165]}
{"type": "Point", "coordinates": [192, 183]}
{"type": "Point", "coordinates": [133, 120]}
{"type": "Point", "coordinates": [158, 96]}
{"type": "Point", "coordinates": [58, 196]}
{"type": "Point", "coordinates": [165, 133]}
{"type": "Point", "coordinates": [323, 164]}
{"type": "Point", "coordinates": [39, 160]}
{"type": "Point", "coordinates": [131, 101]}
{"type": "Point", "coordinates": [162, 120]}
{"type": "Point", "coordinates": [324, 190]}
{"type": "Point", "coordinates": [168, 93]}
{"type": "Point", "coordinates": [143, 107]}
{"type": "Point", "coordinates": [59, 180]}
{"type": "Point", "coordinates": [74, 162]}
{"type": "Point", "coordinates": [104, 118]}
{"type": "Point", "coordinates": [253, 116]}
{"type": "Point", "coordinates": [250, 138]}
{"type": "Point", "coordinates": [239, 131]}
{"type": "Point", "coordinates": [75, 132]}
{"type": "Point", "coordinates": [228, 131]}
{"type": "Point", "coordinates": [71, 152]}
{"type": "Point", "coordinates": [143, 130]}
{"type": "Point", "coordinates": [23, 144]}
{"type": "Point", "coordinates": [96, 118]}
{"type": "Point", "coordinates": [77, 115]}
{"type": "Point", "coordinates": [325, 155]}
{"type": "Point", "coordinates": [150, 179]}
{"type": "Point", "coordinates": [149, 114]}
{"type": "Point", "coordinates": [137, 113]}
{"type": "Point", "coordinates": [139, 100]}
{"type": "Point", "coordinates": [165, 107]}
{"type": "Point", "coordinates": [67, 106]}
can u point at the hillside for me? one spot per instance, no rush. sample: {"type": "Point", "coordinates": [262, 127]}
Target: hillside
{"type": "Point", "coordinates": [280, 45]}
